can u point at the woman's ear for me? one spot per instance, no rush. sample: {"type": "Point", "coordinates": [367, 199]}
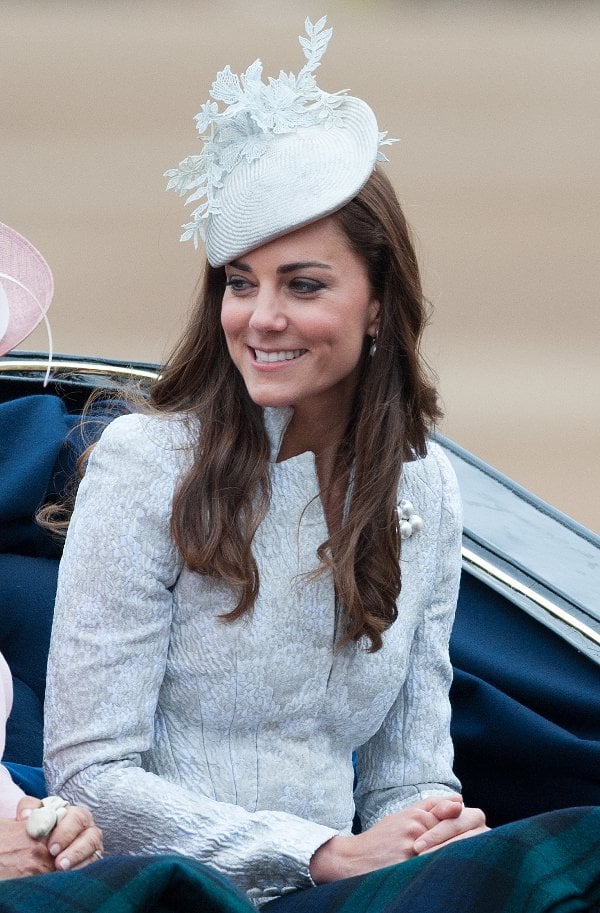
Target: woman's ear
{"type": "Point", "coordinates": [373, 317]}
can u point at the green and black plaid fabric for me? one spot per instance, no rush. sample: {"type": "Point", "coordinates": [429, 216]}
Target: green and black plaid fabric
{"type": "Point", "coordinates": [126, 884]}
{"type": "Point", "coordinates": [546, 864]}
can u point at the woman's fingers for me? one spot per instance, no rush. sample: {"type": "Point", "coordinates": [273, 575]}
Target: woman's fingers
{"type": "Point", "coordinates": [472, 833]}
{"type": "Point", "coordinates": [443, 807]}
{"type": "Point", "coordinates": [467, 823]}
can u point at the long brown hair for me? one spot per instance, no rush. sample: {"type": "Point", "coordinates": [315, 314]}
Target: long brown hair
{"type": "Point", "coordinates": [221, 501]}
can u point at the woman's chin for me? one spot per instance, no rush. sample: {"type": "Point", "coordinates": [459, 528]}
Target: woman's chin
{"type": "Point", "coordinates": [269, 400]}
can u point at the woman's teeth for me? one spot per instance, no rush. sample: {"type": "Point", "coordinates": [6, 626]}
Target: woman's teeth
{"type": "Point", "coordinates": [277, 356]}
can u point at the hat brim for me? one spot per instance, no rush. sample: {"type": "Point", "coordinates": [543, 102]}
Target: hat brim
{"type": "Point", "coordinates": [304, 176]}
{"type": "Point", "coordinates": [27, 286]}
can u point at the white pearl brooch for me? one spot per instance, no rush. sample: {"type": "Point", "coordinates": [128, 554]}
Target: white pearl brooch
{"type": "Point", "coordinates": [410, 522]}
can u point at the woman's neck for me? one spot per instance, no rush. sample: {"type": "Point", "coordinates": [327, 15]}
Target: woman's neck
{"type": "Point", "coordinates": [322, 435]}
{"type": "Point", "coordinates": [319, 433]}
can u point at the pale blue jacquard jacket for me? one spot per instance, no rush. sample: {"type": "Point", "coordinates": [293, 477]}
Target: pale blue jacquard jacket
{"type": "Point", "coordinates": [232, 743]}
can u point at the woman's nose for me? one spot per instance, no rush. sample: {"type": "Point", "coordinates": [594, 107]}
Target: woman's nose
{"type": "Point", "coordinates": [267, 316]}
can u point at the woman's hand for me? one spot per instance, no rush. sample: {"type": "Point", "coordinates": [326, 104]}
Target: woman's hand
{"type": "Point", "coordinates": [423, 827]}
{"type": "Point", "coordinates": [468, 823]}
{"type": "Point", "coordinates": [74, 842]}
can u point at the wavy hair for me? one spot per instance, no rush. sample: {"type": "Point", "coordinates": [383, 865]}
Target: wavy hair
{"type": "Point", "coordinates": [223, 498]}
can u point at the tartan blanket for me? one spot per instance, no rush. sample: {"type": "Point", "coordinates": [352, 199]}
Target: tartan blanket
{"type": "Point", "coordinates": [126, 884]}
{"type": "Point", "coordinates": [546, 864]}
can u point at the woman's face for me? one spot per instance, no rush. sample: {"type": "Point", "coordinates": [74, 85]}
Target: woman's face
{"type": "Point", "coordinates": [295, 314]}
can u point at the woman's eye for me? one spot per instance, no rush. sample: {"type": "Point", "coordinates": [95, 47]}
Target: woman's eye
{"type": "Point", "coordinates": [306, 286]}
{"type": "Point", "coordinates": [237, 283]}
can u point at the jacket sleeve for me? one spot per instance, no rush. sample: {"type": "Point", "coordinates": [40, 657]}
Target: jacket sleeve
{"type": "Point", "coordinates": [411, 755]}
{"type": "Point", "coordinates": [107, 662]}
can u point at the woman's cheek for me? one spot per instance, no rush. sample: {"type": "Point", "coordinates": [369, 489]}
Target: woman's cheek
{"type": "Point", "coordinates": [232, 317]}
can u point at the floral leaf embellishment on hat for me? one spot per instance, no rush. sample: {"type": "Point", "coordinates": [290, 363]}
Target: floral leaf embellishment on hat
{"type": "Point", "coordinates": [384, 140]}
{"type": "Point", "coordinates": [255, 115]}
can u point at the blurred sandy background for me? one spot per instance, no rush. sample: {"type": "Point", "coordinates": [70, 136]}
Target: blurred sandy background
{"type": "Point", "coordinates": [498, 109]}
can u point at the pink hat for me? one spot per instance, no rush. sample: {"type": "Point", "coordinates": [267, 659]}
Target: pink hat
{"type": "Point", "coordinates": [26, 288]}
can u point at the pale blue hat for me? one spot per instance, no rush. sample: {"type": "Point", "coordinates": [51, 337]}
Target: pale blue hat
{"type": "Point", "coordinates": [279, 156]}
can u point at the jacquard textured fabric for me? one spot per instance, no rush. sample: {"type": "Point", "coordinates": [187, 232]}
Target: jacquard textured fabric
{"type": "Point", "coordinates": [232, 743]}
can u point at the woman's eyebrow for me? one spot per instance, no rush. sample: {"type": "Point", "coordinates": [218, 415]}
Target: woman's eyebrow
{"type": "Point", "coordinates": [286, 268]}
{"type": "Point", "coordinates": [302, 264]}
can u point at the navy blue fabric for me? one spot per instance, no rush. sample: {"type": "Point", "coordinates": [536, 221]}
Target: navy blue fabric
{"type": "Point", "coordinates": [27, 589]}
{"type": "Point", "coordinates": [30, 779]}
{"type": "Point", "coordinates": [33, 432]}
{"type": "Point", "coordinates": [526, 725]}
{"type": "Point", "coordinates": [39, 446]}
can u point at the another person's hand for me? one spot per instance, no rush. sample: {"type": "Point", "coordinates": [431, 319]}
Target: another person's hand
{"type": "Point", "coordinates": [74, 842]}
{"type": "Point", "coordinates": [20, 854]}
{"type": "Point", "coordinates": [422, 827]}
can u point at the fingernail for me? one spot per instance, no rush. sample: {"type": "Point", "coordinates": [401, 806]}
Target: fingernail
{"type": "Point", "coordinates": [55, 849]}
{"type": "Point", "coordinates": [26, 812]}
{"type": "Point", "coordinates": [419, 845]}
{"type": "Point", "coordinates": [65, 863]}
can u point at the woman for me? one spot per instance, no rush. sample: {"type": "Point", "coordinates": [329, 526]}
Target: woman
{"type": "Point", "coordinates": [260, 574]}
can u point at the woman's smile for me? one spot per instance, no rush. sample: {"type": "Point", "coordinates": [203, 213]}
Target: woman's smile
{"type": "Point", "coordinates": [264, 357]}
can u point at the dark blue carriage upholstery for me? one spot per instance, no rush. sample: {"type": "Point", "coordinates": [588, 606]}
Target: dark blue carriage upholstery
{"type": "Point", "coordinates": [526, 722]}
{"type": "Point", "coordinates": [525, 711]}
{"type": "Point", "coordinates": [32, 435]}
